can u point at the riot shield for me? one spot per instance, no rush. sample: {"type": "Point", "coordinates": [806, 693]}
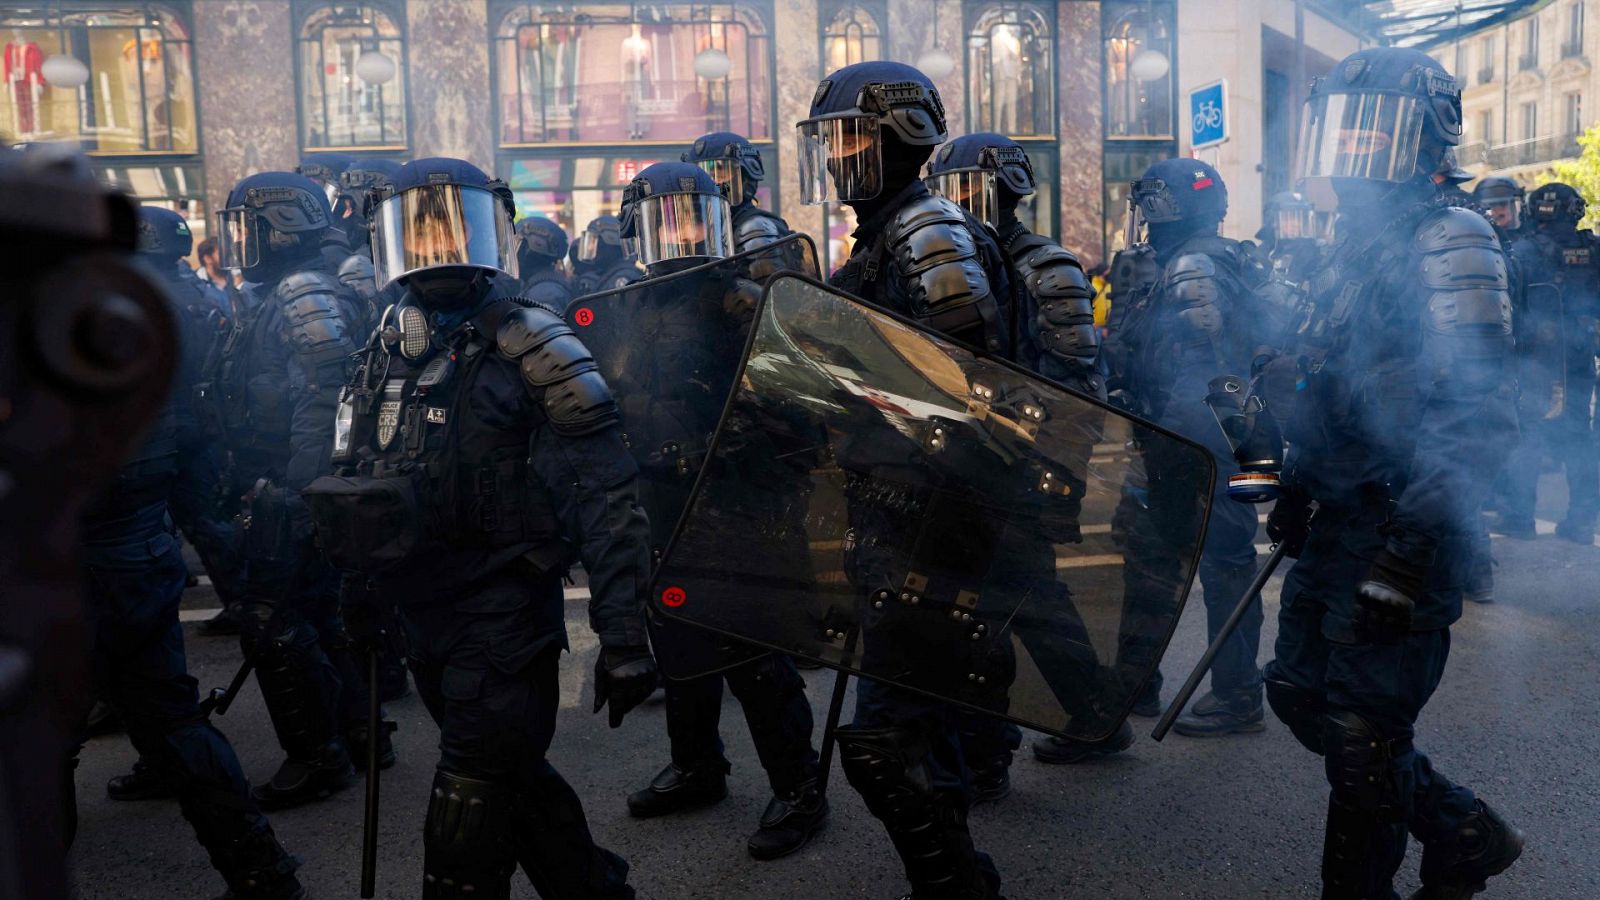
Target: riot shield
{"type": "Point", "coordinates": [669, 348]}
{"type": "Point", "coordinates": [889, 503]}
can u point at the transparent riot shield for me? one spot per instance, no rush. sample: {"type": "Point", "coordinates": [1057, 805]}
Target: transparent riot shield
{"type": "Point", "coordinates": [886, 502]}
{"type": "Point", "coordinates": [670, 348]}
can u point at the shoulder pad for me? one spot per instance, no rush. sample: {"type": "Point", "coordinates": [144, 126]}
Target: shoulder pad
{"type": "Point", "coordinates": [1051, 271]}
{"type": "Point", "coordinates": [554, 361]}
{"type": "Point", "coordinates": [310, 281]}
{"type": "Point", "coordinates": [527, 327]}
{"type": "Point", "coordinates": [1191, 267]}
{"type": "Point", "coordinates": [755, 231]}
{"type": "Point", "coordinates": [316, 328]}
{"type": "Point", "coordinates": [937, 255]}
{"type": "Point", "coordinates": [923, 212]}
{"type": "Point", "coordinates": [1451, 227]}
{"type": "Point", "coordinates": [356, 271]}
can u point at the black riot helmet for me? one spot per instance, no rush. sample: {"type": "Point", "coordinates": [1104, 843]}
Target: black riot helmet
{"type": "Point", "coordinates": [1176, 198]}
{"type": "Point", "coordinates": [541, 242]}
{"type": "Point", "coordinates": [325, 168]}
{"type": "Point", "coordinates": [443, 228]}
{"type": "Point", "coordinates": [1556, 205]}
{"type": "Point", "coordinates": [271, 219]}
{"type": "Point", "coordinates": [362, 178]}
{"type": "Point", "coordinates": [164, 233]}
{"type": "Point", "coordinates": [1501, 198]}
{"type": "Point", "coordinates": [867, 123]}
{"type": "Point", "coordinates": [676, 210]}
{"type": "Point", "coordinates": [1290, 217]}
{"type": "Point", "coordinates": [732, 161]}
{"type": "Point", "coordinates": [1384, 114]}
{"type": "Point", "coordinates": [602, 241]}
{"type": "Point", "coordinates": [984, 172]}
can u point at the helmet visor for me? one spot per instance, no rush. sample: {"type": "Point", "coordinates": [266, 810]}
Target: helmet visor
{"type": "Point", "coordinates": [972, 189]}
{"type": "Point", "coordinates": [238, 238]}
{"type": "Point", "coordinates": [840, 159]}
{"type": "Point", "coordinates": [1294, 222]}
{"type": "Point", "coordinates": [440, 225]}
{"type": "Point", "coordinates": [728, 174]}
{"type": "Point", "coordinates": [1505, 212]}
{"type": "Point", "coordinates": [681, 226]}
{"type": "Point", "coordinates": [1370, 136]}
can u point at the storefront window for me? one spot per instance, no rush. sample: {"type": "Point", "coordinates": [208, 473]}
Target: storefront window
{"type": "Point", "coordinates": [620, 72]}
{"type": "Point", "coordinates": [115, 78]}
{"type": "Point", "coordinates": [352, 77]}
{"type": "Point", "coordinates": [1138, 70]}
{"type": "Point", "coordinates": [178, 187]}
{"type": "Point", "coordinates": [1010, 88]}
{"type": "Point", "coordinates": [1122, 167]}
{"type": "Point", "coordinates": [852, 35]}
{"type": "Point", "coordinates": [573, 191]}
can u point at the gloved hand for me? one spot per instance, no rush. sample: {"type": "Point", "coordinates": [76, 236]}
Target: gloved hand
{"type": "Point", "coordinates": [1387, 597]}
{"type": "Point", "coordinates": [1289, 523]}
{"type": "Point", "coordinates": [623, 676]}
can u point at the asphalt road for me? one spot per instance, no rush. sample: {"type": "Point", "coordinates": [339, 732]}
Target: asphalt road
{"type": "Point", "coordinates": [1239, 817]}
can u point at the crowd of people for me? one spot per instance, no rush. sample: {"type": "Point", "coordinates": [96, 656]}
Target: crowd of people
{"type": "Point", "coordinates": [388, 440]}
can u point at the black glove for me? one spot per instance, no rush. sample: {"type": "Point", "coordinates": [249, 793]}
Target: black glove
{"type": "Point", "coordinates": [1387, 597]}
{"type": "Point", "coordinates": [1289, 523]}
{"type": "Point", "coordinates": [624, 676]}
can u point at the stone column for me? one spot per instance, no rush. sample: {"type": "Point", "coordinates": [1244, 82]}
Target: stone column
{"type": "Point", "coordinates": [1078, 68]}
{"type": "Point", "coordinates": [244, 72]}
{"type": "Point", "coordinates": [795, 44]}
{"type": "Point", "coordinates": [449, 48]}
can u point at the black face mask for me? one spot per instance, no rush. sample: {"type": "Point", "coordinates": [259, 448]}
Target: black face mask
{"type": "Point", "coordinates": [1167, 237]}
{"type": "Point", "coordinates": [902, 164]}
{"type": "Point", "coordinates": [449, 288]}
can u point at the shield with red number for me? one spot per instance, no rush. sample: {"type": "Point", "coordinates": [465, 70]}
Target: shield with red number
{"type": "Point", "coordinates": [670, 348]}
{"type": "Point", "coordinates": [887, 502]}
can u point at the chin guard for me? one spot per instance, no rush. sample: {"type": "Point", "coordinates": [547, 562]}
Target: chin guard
{"type": "Point", "coordinates": [1252, 432]}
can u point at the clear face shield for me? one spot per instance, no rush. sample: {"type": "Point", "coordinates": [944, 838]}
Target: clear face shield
{"type": "Point", "coordinates": [443, 225]}
{"type": "Point", "coordinates": [973, 189]}
{"type": "Point", "coordinates": [238, 239]}
{"type": "Point", "coordinates": [682, 226]}
{"type": "Point", "coordinates": [1372, 136]}
{"type": "Point", "coordinates": [1294, 223]}
{"type": "Point", "coordinates": [841, 159]}
{"type": "Point", "coordinates": [1506, 213]}
{"type": "Point", "coordinates": [728, 174]}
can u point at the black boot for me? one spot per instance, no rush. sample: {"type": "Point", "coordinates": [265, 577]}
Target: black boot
{"type": "Point", "coordinates": [1213, 716]}
{"type": "Point", "coordinates": [1056, 751]}
{"type": "Point", "coordinates": [224, 623]}
{"type": "Point", "coordinates": [789, 822]}
{"type": "Point", "coordinates": [145, 782]}
{"type": "Point", "coordinates": [298, 782]}
{"type": "Point", "coordinates": [677, 790]}
{"type": "Point", "coordinates": [1484, 846]}
{"type": "Point", "coordinates": [256, 867]}
{"type": "Point", "coordinates": [356, 739]}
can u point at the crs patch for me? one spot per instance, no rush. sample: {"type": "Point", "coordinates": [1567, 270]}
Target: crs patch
{"type": "Point", "coordinates": [1575, 256]}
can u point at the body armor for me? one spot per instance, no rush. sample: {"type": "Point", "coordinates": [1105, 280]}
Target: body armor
{"type": "Point", "coordinates": [1057, 300]}
{"type": "Point", "coordinates": [547, 288]}
{"type": "Point", "coordinates": [754, 228]}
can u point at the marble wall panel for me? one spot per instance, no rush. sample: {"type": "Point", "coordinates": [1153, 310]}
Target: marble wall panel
{"type": "Point", "coordinates": [450, 91]}
{"type": "Point", "coordinates": [1079, 107]}
{"type": "Point", "coordinates": [244, 67]}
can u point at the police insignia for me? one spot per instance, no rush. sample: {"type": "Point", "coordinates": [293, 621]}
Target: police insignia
{"type": "Point", "coordinates": [389, 414]}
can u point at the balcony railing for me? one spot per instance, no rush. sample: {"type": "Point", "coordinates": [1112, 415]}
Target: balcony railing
{"type": "Point", "coordinates": [1525, 153]}
{"type": "Point", "coordinates": [1472, 154]}
{"type": "Point", "coordinates": [1571, 49]}
{"type": "Point", "coordinates": [1486, 74]}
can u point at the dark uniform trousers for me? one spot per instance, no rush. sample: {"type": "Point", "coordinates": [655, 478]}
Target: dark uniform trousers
{"type": "Point", "coordinates": [773, 697]}
{"type": "Point", "coordinates": [486, 667]}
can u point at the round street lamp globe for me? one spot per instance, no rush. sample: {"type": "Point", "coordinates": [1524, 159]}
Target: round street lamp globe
{"type": "Point", "coordinates": [64, 70]}
{"type": "Point", "coordinates": [1149, 65]}
{"type": "Point", "coordinates": [712, 63]}
{"type": "Point", "coordinates": [374, 67]}
{"type": "Point", "coordinates": [936, 63]}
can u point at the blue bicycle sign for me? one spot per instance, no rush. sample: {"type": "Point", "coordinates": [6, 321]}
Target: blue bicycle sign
{"type": "Point", "coordinates": [1208, 114]}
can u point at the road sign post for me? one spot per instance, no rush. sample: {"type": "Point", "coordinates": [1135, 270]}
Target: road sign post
{"type": "Point", "coordinates": [1208, 114]}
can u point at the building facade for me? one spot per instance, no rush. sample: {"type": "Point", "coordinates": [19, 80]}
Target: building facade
{"type": "Point", "coordinates": [1526, 85]}
{"type": "Point", "coordinates": [175, 100]}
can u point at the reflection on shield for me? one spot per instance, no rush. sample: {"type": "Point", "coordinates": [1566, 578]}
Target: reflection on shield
{"type": "Point", "coordinates": [670, 348]}
{"type": "Point", "coordinates": [886, 502]}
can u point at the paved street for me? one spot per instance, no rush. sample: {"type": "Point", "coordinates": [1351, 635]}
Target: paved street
{"type": "Point", "coordinates": [1240, 817]}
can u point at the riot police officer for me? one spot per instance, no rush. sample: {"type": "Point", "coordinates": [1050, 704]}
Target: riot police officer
{"type": "Point", "coordinates": [1570, 258]}
{"type": "Point", "coordinates": [1289, 235]}
{"type": "Point", "coordinates": [325, 169]}
{"type": "Point", "coordinates": [872, 127]}
{"type": "Point", "coordinates": [542, 246]}
{"type": "Point", "coordinates": [680, 218]}
{"type": "Point", "coordinates": [273, 392]}
{"type": "Point", "coordinates": [1406, 414]}
{"type": "Point", "coordinates": [359, 179]}
{"type": "Point", "coordinates": [136, 576]}
{"type": "Point", "coordinates": [601, 259]}
{"type": "Point", "coordinates": [477, 449]}
{"type": "Point", "coordinates": [735, 164]}
{"type": "Point", "coordinates": [1204, 320]}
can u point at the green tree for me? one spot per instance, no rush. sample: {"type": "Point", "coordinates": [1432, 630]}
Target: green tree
{"type": "Point", "coordinates": [1582, 173]}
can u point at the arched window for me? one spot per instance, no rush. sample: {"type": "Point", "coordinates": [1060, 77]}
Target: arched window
{"type": "Point", "coordinates": [352, 61]}
{"type": "Point", "coordinates": [1138, 74]}
{"type": "Point", "coordinates": [117, 78]}
{"type": "Point", "coordinates": [853, 35]}
{"type": "Point", "coordinates": [1010, 85]}
{"type": "Point", "coordinates": [620, 72]}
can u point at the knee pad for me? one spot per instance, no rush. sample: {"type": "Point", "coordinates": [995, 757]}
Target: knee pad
{"type": "Point", "coordinates": [1360, 766]}
{"type": "Point", "coordinates": [1301, 709]}
{"type": "Point", "coordinates": [888, 768]}
{"type": "Point", "coordinates": [467, 839]}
